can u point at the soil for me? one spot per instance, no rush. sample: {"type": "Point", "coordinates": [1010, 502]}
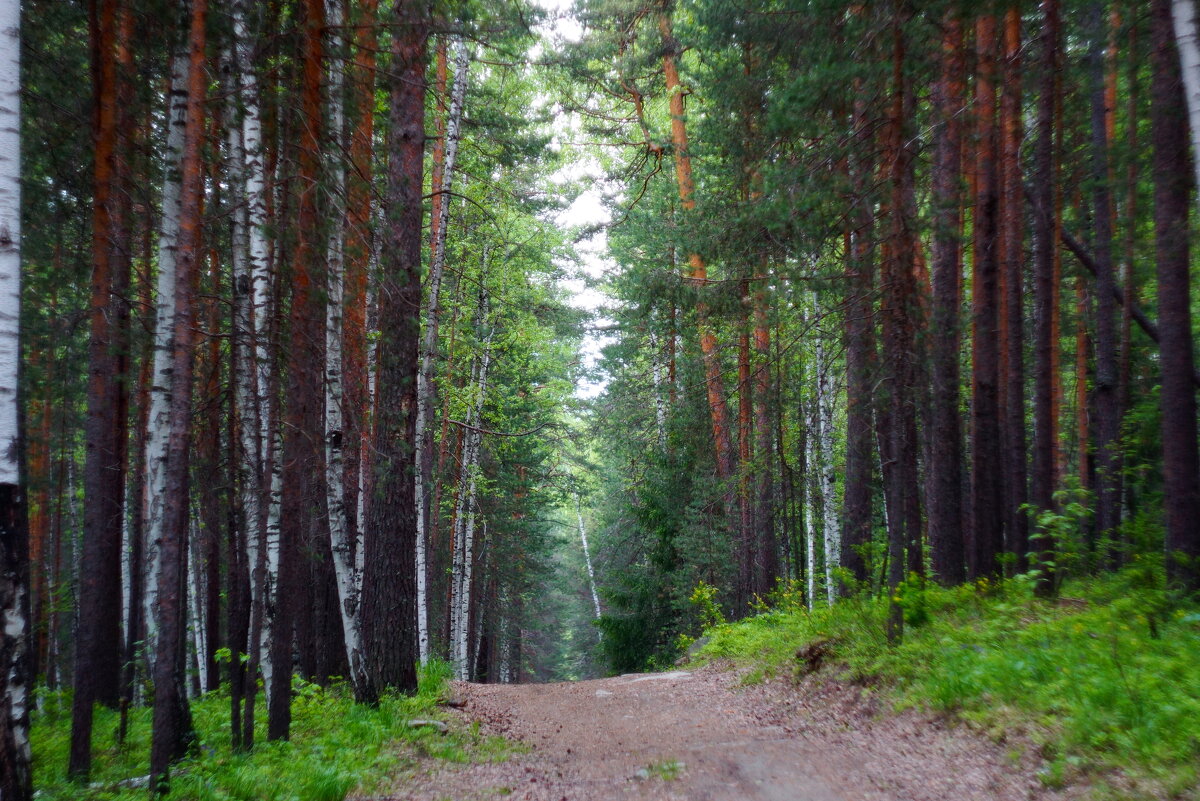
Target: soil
{"type": "Point", "coordinates": [701, 736]}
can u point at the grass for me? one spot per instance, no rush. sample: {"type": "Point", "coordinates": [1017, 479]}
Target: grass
{"type": "Point", "coordinates": [1106, 679]}
{"type": "Point", "coordinates": [336, 747]}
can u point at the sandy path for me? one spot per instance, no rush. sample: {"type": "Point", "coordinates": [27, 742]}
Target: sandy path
{"type": "Point", "coordinates": [695, 735]}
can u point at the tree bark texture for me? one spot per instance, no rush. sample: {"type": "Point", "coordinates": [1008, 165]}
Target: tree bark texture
{"type": "Point", "coordinates": [389, 579]}
{"type": "Point", "coordinates": [172, 730]}
{"type": "Point", "coordinates": [97, 664]}
{"type": "Point", "coordinates": [1045, 343]}
{"type": "Point", "coordinates": [1108, 414]}
{"type": "Point", "coordinates": [946, 460]}
{"type": "Point", "coordinates": [986, 465]}
{"type": "Point", "coordinates": [1172, 194]}
{"type": "Point", "coordinates": [16, 774]}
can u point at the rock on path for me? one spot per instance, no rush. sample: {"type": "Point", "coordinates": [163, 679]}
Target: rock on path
{"type": "Point", "coordinates": [697, 736]}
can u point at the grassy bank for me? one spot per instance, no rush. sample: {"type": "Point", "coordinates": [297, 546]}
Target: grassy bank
{"type": "Point", "coordinates": [1105, 678]}
{"type": "Point", "coordinates": [336, 747]}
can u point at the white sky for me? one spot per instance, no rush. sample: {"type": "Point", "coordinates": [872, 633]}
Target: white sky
{"type": "Point", "coordinates": [588, 208]}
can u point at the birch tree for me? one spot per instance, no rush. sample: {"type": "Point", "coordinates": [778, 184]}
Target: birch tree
{"type": "Point", "coordinates": [172, 730]}
{"type": "Point", "coordinates": [425, 388]}
{"type": "Point", "coordinates": [463, 560]}
{"type": "Point", "coordinates": [1183, 16]}
{"type": "Point", "coordinates": [15, 769]}
{"type": "Point", "coordinates": [343, 536]}
{"type": "Point", "coordinates": [164, 313]}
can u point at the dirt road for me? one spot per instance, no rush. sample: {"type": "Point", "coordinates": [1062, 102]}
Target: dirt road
{"type": "Point", "coordinates": [697, 735]}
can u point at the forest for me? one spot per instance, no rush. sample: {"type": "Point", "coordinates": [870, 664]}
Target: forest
{"type": "Point", "coordinates": [350, 348]}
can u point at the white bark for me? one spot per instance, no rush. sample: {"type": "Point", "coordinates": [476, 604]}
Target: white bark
{"type": "Point", "coordinates": [251, 319]}
{"type": "Point", "coordinates": [813, 458]}
{"type": "Point", "coordinates": [344, 542]}
{"type": "Point", "coordinates": [1183, 14]}
{"type": "Point", "coordinates": [587, 556]}
{"type": "Point", "coordinates": [10, 237]}
{"type": "Point", "coordinates": [270, 558]}
{"type": "Point", "coordinates": [429, 343]}
{"type": "Point", "coordinates": [16, 625]}
{"type": "Point", "coordinates": [828, 477]}
{"type": "Point", "coordinates": [460, 601]}
{"type": "Point", "coordinates": [196, 607]}
{"type": "Point", "coordinates": [164, 323]}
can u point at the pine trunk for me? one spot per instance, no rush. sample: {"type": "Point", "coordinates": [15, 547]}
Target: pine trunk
{"type": "Point", "coordinates": [389, 579]}
{"type": "Point", "coordinates": [986, 473]}
{"type": "Point", "coordinates": [1045, 342]}
{"type": "Point", "coordinates": [97, 664]}
{"type": "Point", "coordinates": [946, 459]}
{"type": "Point", "coordinates": [1012, 267]}
{"type": "Point", "coordinates": [859, 335]}
{"type": "Point", "coordinates": [1108, 414]}
{"type": "Point", "coordinates": [1172, 191]}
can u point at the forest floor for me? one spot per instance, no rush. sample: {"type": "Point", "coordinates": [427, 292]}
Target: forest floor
{"type": "Point", "coordinates": [703, 735]}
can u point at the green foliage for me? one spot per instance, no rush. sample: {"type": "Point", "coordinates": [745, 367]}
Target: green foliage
{"type": "Point", "coordinates": [704, 599]}
{"type": "Point", "coordinates": [1106, 678]}
{"type": "Point", "coordinates": [336, 747]}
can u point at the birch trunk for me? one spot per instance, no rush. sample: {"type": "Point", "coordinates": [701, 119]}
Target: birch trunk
{"type": "Point", "coordinates": [172, 727]}
{"type": "Point", "coordinates": [343, 537]}
{"type": "Point", "coordinates": [827, 473]}
{"type": "Point", "coordinates": [587, 558]}
{"type": "Point", "coordinates": [196, 609]}
{"type": "Point", "coordinates": [15, 772]}
{"type": "Point", "coordinates": [157, 429]}
{"type": "Point", "coordinates": [429, 342]}
{"type": "Point", "coordinates": [1183, 15]}
{"type": "Point", "coordinates": [254, 381]}
{"type": "Point", "coordinates": [252, 363]}
{"type": "Point", "coordinates": [460, 603]}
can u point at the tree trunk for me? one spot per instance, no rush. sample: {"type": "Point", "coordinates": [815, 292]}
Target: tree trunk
{"type": "Point", "coordinates": [425, 386]}
{"type": "Point", "coordinates": [302, 427]}
{"type": "Point", "coordinates": [97, 664]}
{"type": "Point", "coordinates": [1012, 265]}
{"type": "Point", "coordinates": [946, 461]}
{"type": "Point", "coordinates": [1183, 15]}
{"type": "Point", "coordinates": [16, 774]}
{"type": "Point", "coordinates": [172, 729]}
{"type": "Point", "coordinates": [1108, 419]}
{"type": "Point", "coordinates": [1172, 190]}
{"type": "Point", "coordinates": [986, 473]}
{"type": "Point", "coordinates": [1045, 343]}
{"type": "Point", "coordinates": [860, 354]}
{"type": "Point", "coordinates": [747, 543]}
{"type": "Point", "coordinates": [698, 271]}
{"type": "Point", "coordinates": [389, 580]}
{"type": "Point", "coordinates": [766, 566]}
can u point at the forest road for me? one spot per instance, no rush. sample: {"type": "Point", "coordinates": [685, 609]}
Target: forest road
{"type": "Point", "coordinates": [700, 736]}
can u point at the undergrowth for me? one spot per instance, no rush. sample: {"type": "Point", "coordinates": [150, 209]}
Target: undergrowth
{"type": "Point", "coordinates": [1106, 678]}
{"type": "Point", "coordinates": [336, 746]}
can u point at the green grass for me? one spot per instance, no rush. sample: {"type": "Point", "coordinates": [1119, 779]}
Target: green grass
{"type": "Point", "coordinates": [1084, 678]}
{"type": "Point", "coordinates": [336, 746]}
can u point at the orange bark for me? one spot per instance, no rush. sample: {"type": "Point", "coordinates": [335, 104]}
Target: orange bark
{"type": "Point", "coordinates": [698, 270]}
